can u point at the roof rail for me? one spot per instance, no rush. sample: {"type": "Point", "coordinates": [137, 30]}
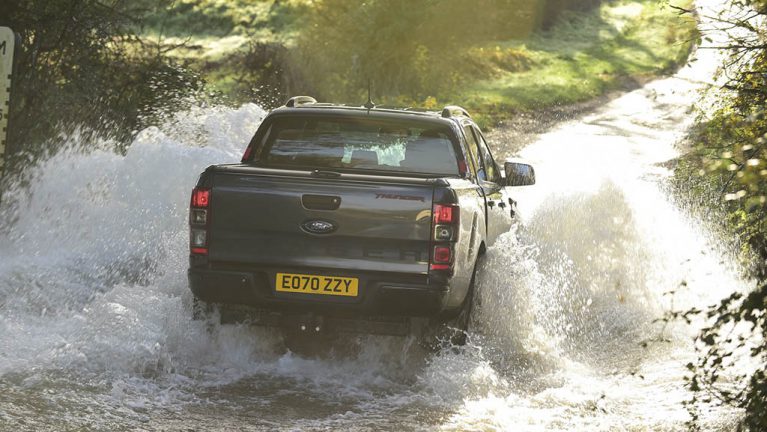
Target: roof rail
{"type": "Point", "coordinates": [300, 100]}
{"type": "Point", "coordinates": [454, 111]}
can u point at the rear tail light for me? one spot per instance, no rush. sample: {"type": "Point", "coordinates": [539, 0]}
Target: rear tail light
{"type": "Point", "coordinates": [445, 213]}
{"type": "Point", "coordinates": [445, 230]}
{"type": "Point", "coordinates": [200, 197]}
{"type": "Point", "coordinates": [199, 219]}
{"type": "Point", "coordinates": [442, 258]}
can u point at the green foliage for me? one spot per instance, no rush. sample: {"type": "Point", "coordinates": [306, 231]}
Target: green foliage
{"type": "Point", "coordinates": [738, 328]}
{"type": "Point", "coordinates": [478, 54]}
{"type": "Point", "coordinates": [241, 48]}
{"type": "Point", "coordinates": [586, 55]}
{"type": "Point", "coordinates": [550, 10]}
{"type": "Point", "coordinates": [405, 48]}
{"type": "Point", "coordinates": [728, 170]}
{"type": "Point", "coordinates": [260, 18]}
{"type": "Point", "coordinates": [80, 67]}
{"type": "Point", "coordinates": [115, 66]}
{"type": "Point", "coordinates": [413, 51]}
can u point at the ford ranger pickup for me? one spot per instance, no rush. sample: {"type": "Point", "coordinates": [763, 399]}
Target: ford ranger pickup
{"type": "Point", "coordinates": [350, 219]}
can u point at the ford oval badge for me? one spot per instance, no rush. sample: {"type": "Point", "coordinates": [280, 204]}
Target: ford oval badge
{"type": "Point", "coordinates": [318, 227]}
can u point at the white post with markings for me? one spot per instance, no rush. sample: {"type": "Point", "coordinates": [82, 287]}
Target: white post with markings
{"type": "Point", "coordinates": [7, 41]}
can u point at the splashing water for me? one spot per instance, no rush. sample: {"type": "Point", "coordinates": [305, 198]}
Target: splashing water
{"type": "Point", "coordinates": [95, 327]}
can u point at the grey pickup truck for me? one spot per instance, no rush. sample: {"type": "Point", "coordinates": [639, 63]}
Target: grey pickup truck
{"type": "Point", "coordinates": [350, 219]}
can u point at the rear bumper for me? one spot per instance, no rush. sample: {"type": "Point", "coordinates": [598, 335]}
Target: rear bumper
{"type": "Point", "coordinates": [380, 295]}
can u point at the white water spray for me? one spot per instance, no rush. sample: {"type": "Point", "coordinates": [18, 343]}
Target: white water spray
{"type": "Point", "coordinates": [95, 327]}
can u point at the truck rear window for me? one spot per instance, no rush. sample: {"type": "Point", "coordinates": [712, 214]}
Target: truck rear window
{"type": "Point", "coordinates": [358, 144]}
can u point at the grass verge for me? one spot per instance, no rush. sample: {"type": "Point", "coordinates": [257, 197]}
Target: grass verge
{"type": "Point", "coordinates": [584, 56]}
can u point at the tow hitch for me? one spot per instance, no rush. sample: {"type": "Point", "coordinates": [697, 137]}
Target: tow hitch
{"type": "Point", "coordinates": [309, 323]}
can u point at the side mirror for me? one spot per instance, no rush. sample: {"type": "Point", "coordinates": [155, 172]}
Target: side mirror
{"type": "Point", "coordinates": [519, 173]}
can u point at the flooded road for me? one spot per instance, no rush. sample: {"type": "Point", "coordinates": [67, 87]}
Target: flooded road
{"type": "Point", "coordinates": [95, 314]}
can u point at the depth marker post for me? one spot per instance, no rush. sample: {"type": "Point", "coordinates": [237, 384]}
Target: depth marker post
{"type": "Point", "coordinates": [7, 43]}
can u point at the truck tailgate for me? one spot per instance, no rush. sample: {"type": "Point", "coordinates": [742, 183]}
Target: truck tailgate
{"type": "Point", "coordinates": [369, 224]}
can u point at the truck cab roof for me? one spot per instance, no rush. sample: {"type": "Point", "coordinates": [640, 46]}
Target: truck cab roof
{"type": "Point", "coordinates": [309, 105]}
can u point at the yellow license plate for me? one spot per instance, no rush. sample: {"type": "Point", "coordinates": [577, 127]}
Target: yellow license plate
{"type": "Point", "coordinates": [313, 284]}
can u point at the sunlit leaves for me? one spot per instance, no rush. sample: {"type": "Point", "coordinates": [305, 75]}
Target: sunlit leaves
{"type": "Point", "coordinates": [413, 49]}
{"type": "Point", "coordinates": [730, 153]}
{"type": "Point", "coordinates": [81, 67]}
